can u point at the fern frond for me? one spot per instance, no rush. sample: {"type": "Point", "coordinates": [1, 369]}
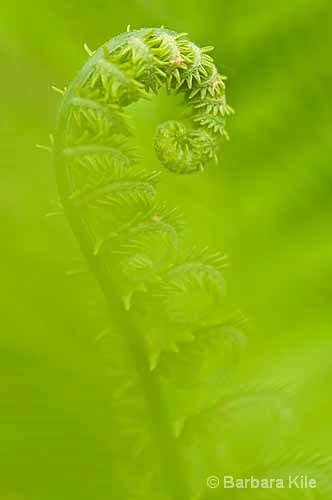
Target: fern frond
{"type": "Point", "coordinates": [171, 357]}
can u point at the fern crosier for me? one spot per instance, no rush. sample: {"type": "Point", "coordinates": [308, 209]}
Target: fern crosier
{"type": "Point", "coordinates": [175, 412]}
{"type": "Point", "coordinates": [161, 296]}
{"type": "Point", "coordinates": [112, 199]}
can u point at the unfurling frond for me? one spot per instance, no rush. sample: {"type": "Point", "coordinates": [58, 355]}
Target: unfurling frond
{"type": "Point", "coordinates": [171, 357]}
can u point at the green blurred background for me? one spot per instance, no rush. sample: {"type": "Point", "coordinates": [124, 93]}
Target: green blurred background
{"type": "Point", "coordinates": [267, 205]}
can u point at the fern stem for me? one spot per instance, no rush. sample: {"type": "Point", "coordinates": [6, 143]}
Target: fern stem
{"type": "Point", "coordinates": [172, 466]}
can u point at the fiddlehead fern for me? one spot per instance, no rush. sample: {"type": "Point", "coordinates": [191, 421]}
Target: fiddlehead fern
{"type": "Point", "coordinates": [130, 239]}
{"type": "Point", "coordinates": [112, 199]}
{"type": "Point", "coordinates": [173, 349]}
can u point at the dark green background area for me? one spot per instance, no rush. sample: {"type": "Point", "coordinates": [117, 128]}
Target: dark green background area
{"type": "Point", "coordinates": [267, 205]}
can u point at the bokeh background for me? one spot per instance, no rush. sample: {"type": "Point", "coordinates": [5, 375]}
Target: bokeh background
{"type": "Point", "coordinates": [267, 205]}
